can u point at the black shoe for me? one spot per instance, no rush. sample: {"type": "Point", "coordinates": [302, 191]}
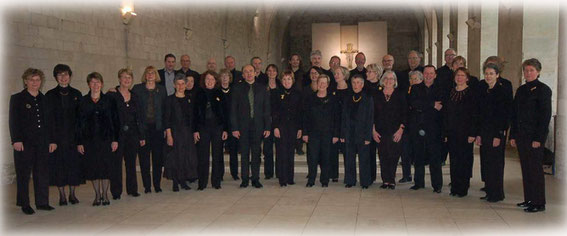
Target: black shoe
{"type": "Point", "coordinates": [62, 202]}
{"type": "Point", "coordinates": [484, 198]}
{"type": "Point", "coordinates": [157, 190]}
{"type": "Point", "coordinates": [200, 188]}
{"type": "Point", "coordinates": [392, 186]}
{"type": "Point", "coordinates": [404, 180]}
{"type": "Point", "coordinates": [535, 208]}
{"type": "Point", "coordinates": [105, 202]}
{"type": "Point", "coordinates": [524, 204]}
{"type": "Point", "coordinates": [283, 185]}
{"type": "Point", "coordinates": [28, 210]}
{"type": "Point", "coordinates": [268, 177]}
{"type": "Point", "coordinates": [134, 194]}
{"type": "Point", "coordinates": [437, 190]}
{"type": "Point", "coordinates": [309, 185]}
{"type": "Point", "coordinates": [116, 197]}
{"type": "Point", "coordinates": [185, 186]}
{"type": "Point", "coordinates": [217, 187]}
{"type": "Point", "coordinates": [244, 184]}
{"type": "Point", "coordinates": [384, 186]}
{"type": "Point", "coordinates": [364, 187]}
{"type": "Point", "coordinates": [483, 189]}
{"type": "Point", "coordinates": [460, 195]}
{"type": "Point", "coordinates": [235, 178]}
{"type": "Point", "coordinates": [257, 184]}
{"type": "Point", "coordinates": [415, 187]}
{"type": "Point", "coordinates": [45, 208]}
{"type": "Point", "coordinates": [348, 186]}
{"type": "Point", "coordinates": [494, 200]}
{"type": "Point", "coordinates": [73, 200]}
{"type": "Point", "coordinates": [324, 185]}
{"type": "Point", "coordinates": [97, 201]}
{"type": "Point", "coordinates": [291, 183]}
{"type": "Point", "coordinates": [175, 188]}
{"type": "Point", "coordinates": [335, 180]}
{"type": "Point", "coordinates": [300, 152]}
{"type": "Point", "coordinates": [148, 190]}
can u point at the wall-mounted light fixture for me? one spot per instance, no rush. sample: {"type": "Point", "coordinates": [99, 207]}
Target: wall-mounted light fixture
{"type": "Point", "coordinates": [128, 14]}
{"type": "Point", "coordinates": [472, 23]}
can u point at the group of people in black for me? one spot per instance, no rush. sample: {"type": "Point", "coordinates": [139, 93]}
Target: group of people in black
{"type": "Point", "coordinates": [180, 121]}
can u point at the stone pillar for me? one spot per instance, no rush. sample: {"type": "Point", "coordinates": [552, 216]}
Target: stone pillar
{"type": "Point", "coordinates": [561, 126]}
{"type": "Point", "coordinates": [474, 39]}
{"type": "Point", "coordinates": [462, 28]}
{"type": "Point", "coordinates": [510, 28]}
{"type": "Point", "coordinates": [488, 32]}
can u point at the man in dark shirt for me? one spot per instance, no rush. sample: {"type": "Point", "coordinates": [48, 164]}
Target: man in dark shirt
{"type": "Point", "coordinates": [185, 64]}
{"type": "Point", "coordinates": [261, 77]}
{"type": "Point", "coordinates": [167, 74]}
{"type": "Point", "coordinates": [444, 73]}
{"type": "Point", "coordinates": [316, 62]}
{"type": "Point", "coordinates": [360, 60]}
{"type": "Point", "coordinates": [250, 122]}
{"type": "Point", "coordinates": [230, 64]}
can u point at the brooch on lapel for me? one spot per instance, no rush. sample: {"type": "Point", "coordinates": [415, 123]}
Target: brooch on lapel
{"type": "Point", "coordinates": [380, 88]}
{"type": "Point", "coordinates": [218, 99]}
{"type": "Point", "coordinates": [532, 89]}
{"type": "Point", "coordinates": [28, 106]}
{"type": "Point", "coordinates": [334, 93]}
{"type": "Point", "coordinates": [282, 96]}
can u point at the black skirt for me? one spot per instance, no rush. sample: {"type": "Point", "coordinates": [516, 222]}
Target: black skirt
{"type": "Point", "coordinates": [181, 159]}
{"type": "Point", "coordinates": [98, 159]}
{"type": "Point", "coordinates": [65, 166]}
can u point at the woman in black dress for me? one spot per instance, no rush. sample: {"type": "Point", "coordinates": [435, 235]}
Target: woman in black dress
{"type": "Point", "coordinates": [308, 90]}
{"type": "Point", "coordinates": [531, 113]}
{"type": "Point", "coordinates": [356, 132]}
{"type": "Point", "coordinates": [390, 111]}
{"type": "Point", "coordinates": [493, 123]}
{"type": "Point", "coordinates": [268, 147]}
{"type": "Point", "coordinates": [210, 128]}
{"type": "Point", "coordinates": [65, 163]}
{"type": "Point", "coordinates": [231, 142]}
{"type": "Point", "coordinates": [460, 122]}
{"type": "Point", "coordinates": [131, 135]}
{"type": "Point", "coordinates": [98, 127]}
{"type": "Point", "coordinates": [181, 158]}
{"type": "Point", "coordinates": [152, 97]}
{"type": "Point", "coordinates": [32, 140]}
{"type": "Point", "coordinates": [286, 120]}
{"type": "Point", "coordinates": [341, 91]}
{"type": "Point", "coordinates": [319, 129]}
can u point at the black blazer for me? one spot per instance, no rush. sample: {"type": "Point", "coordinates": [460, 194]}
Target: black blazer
{"type": "Point", "coordinates": [179, 114]}
{"type": "Point", "coordinates": [531, 111]}
{"type": "Point", "coordinates": [286, 108]}
{"type": "Point", "coordinates": [217, 105]}
{"type": "Point", "coordinates": [361, 121]}
{"type": "Point", "coordinates": [423, 115]}
{"type": "Point", "coordinates": [320, 115]}
{"type": "Point", "coordinates": [97, 119]}
{"type": "Point", "coordinates": [64, 118]}
{"type": "Point", "coordinates": [493, 110]}
{"type": "Point", "coordinates": [240, 108]}
{"type": "Point", "coordinates": [236, 76]}
{"type": "Point", "coordinates": [389, 115]}
{"type": "Point", "coordinates": [195, 74]}
{"type": "Point", "coordinates": [123, 116]}
{"type": "Point", "coordinates": [159, 103]}
{"type": "Point", "coordinates": [25, 125]}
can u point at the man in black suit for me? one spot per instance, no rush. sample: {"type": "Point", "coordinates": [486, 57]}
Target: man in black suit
{"type": "Point", "coordinates": [185, 64]}
{"type": "Point", "coordinates": [230, 64]}
{"type": "Point", "coordinates": [261, 77]}
{"type": "Point", "coordinates": [360, 60]}
{"type": "Point", "coordinates": [250, 122]}
{"type": "Point", "coordinates": [167, 74]}
{"type": "Point", "coordinates": [444, 73]}
{"type": "Point", "coordinates": [316, 62]}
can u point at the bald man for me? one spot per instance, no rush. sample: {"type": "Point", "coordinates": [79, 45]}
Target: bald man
{"type": "Point", "coordinates": [250, 122]}
{"type": "Point", "coordinates": [185, 64]}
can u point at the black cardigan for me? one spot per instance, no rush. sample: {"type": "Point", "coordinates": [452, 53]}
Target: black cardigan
{"type": "Point", "coordinates": [97, 118]}
{"type": "Point", "coordinates": [218, 107]}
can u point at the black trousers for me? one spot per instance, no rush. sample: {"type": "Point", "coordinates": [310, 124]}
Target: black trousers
{"type": "Point", "coordinates": [232, 144]}
{"type": "Point", "coordinates": [211, 141]}
{"type": "Point", "coordinates": [249, 144]}
{"type": "Point", "coordinates": [268, 151]}
{"type": "Point", "coordinates": [461, 157]}
{"type": "Point", "coordinates": [531, 161]}
{"type": "Point", "coordinates": [318, 154]}
{"type": "Point", "coordinates": [336, 149]}
{"type": "Point", "coordinates": [128, 146]}
{"type": "Point", "coordinates": [427, 151]}
{"type": "Point", "coordinates": [363, 164]}
{"type": "Point", "coordinates": [285, 153]}
{"type": "Point", "coordinates": [407, 155]}
{"type": "Point", "coordinates": [372, 159]}
{"type": "Point", "coordinates": [32, 161]}
{"type": "Point", "coordinates": [389, 154]}
{"type": "Point", "coordinates": [154, 146]}
{"type": "Point", "coordinates": [494, 167]}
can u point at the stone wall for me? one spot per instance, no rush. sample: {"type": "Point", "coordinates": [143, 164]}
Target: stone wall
{"type": "Point", "coordinates": [93, 38]}
{"type": "Point", "coordinates": [403, 29]}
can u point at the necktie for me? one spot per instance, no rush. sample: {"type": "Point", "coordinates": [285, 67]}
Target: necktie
{"type": "Point", "coordinates": [251, 100]}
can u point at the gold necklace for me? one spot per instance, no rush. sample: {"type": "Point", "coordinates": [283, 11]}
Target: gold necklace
{"type": "Point", "coordinates": [356, 100]}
